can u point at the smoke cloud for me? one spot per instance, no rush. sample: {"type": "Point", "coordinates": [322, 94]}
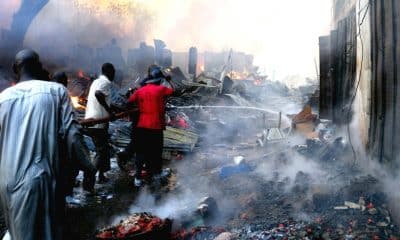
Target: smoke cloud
{"type": "Point", "coordinates": [283, 35]}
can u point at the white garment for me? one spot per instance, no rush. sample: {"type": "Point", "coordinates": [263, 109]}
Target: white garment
{"type": "Point", "coordinates": [37, 124]}
{"type": "Point", "coordinates": [93, 108]}
{"type": "Point", "coordinates": [7, 236]}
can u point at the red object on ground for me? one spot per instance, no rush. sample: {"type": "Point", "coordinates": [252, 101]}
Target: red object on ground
{"type": "Point", "coordinates": [370, 205]}
{"type": "Point", "coordinates": [192, 233]}
{"type": "Point", "coordinates": [179, 123]}
{"type": "Point", "coordinates": [179, 157]}
{"type": "Point", "coordinates": [244, 216]}
{"type": "Point", "coordinates": [144, 174]}
{"type": "Point", "coordinates": [139, 223]}
{"type": "Point", "coordinates": [151, 103]}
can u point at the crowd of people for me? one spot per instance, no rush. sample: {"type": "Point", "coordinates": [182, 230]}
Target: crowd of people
{"type": "Point", "coordinates": [42, 147]}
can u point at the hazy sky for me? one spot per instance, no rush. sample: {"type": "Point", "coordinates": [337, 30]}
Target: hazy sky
{"type": "Point", "coordinates": [282, 34]}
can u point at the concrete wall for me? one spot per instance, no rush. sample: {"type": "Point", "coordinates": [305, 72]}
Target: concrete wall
{"type": "Point", "coordinates": [362, 102]}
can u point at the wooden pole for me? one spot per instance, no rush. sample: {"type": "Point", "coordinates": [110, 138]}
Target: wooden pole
{"type": "Point", "coordinates": [91, 121]}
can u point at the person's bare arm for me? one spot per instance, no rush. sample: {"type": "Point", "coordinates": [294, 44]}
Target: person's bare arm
{"type": "Point", "coordinates": [101, 98]}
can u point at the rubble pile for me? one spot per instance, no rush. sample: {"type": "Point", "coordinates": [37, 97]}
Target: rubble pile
{"type": "Point", "coordinates": [198, 233]}
{"type": "Point", "coordinates": [232, 143]}
{"type": "Point", "coordinates": [229, 144]}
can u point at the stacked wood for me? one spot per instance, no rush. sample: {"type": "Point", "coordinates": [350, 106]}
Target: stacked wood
{"type": "Point", "coordinates": [174, 139]}
{"type": "Point", "coordinates": [179, 139]}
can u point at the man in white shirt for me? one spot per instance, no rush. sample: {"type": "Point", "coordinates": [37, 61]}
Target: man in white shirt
{"type": "Point", "coordinates": [98, 106]}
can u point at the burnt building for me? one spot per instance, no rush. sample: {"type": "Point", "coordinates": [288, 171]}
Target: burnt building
{"type": "Point", "coordinates": [181, 60]}
{"type": "Point", "coordinates": [163, 56]}
{"type": "Point", "coordinates": [139, 59]}
{"type": "Point", "coordinates": [359, 73]}
{"type": "Point", "coordinates": [111, 53]}
{"type": "Point", "coordinates": [237, 61]}
{"type": "Point", "coordinates": [83, 58]}
{"type": "Point", "coordinates": [192, 68]}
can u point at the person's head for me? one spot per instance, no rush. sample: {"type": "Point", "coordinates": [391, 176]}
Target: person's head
{"type": "Point", "coordinates": [155, 75]}
{"type": "Point", "coordinates": [150, 69]}
{"type": "Point", "coordinates": [60, 77]}
{"type": "Point", "coordinates": [27, 64]}
{"type": "Point", "coordinates": [108, 70]}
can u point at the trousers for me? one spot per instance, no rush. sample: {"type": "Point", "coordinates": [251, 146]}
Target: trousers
{"type": "Point", "coordinates": [148, 147]}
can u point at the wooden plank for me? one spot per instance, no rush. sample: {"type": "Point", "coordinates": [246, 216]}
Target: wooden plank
{"type": "Point", "coordinates": [380, 83]}
{"type": "Point", "coordinates": [334, 70]}
{"type": "Point", "coordinates": [325, 101]}
{"type": "Point", "coordinates": [388, 77]}
{"type": "Point", "coordinates": [372, 133]}
{"type": "Point", "coordinates": [396, 117]}
{"type": "Point", "coordinates": [339, 72]}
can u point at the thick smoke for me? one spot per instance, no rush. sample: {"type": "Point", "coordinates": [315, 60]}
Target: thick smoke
{"type": "Point", "coordinates": [266, 29]}
{"type": "Point", "coordinates": [64, 24]}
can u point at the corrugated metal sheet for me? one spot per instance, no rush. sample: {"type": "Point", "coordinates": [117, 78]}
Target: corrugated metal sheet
{"type": "Point", "coordinates": [338, 70]}
{"type": "Point", "coordinates": [384, 128]}
{"type": "Point", "coordinates": [326, 101]}
{"type": "Point", "coordinates": [384, 134]}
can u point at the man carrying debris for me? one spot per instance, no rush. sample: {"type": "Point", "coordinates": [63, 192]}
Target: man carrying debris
{"type": "Point", "coordinates": [149, 129]}
{"type": "Point", "coordinates": [98, 106]}
{"type": "Point", "coordinates": [124, 156]}
{"type": "Point", "coordinates": [36, 125]}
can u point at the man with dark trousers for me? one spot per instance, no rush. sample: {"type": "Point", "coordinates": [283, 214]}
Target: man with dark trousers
{"type": "Point", "coordinates": [98, 106]}
{"type": "Point", "coordinates": [150, 100]}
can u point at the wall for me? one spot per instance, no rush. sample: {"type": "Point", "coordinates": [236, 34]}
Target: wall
{"type": "Point", "coordinates": [362, 102]}
{"type": "Point", "coordinates": [384, 133]}
{"type": "Point", "coordinates": [338, 54]}
{"type": "Point", "coordinates": [362, 75]}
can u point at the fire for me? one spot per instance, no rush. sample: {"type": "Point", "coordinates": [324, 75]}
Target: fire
{"type": "Point", "coordinates": [81, 74]}
{"type": "Point", "coordinates": [76, 102]}
{"type": "Point", "coordinates": [257, 82]}
{"type": "Point", "coordinates": [119, 7]}
{"type": "Point", "coordinates": [235, 75]}
{"type": "Point", "coordinates": [202, 68]}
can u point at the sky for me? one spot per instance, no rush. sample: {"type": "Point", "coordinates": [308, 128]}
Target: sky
{"type": "Point", "coordinates": [281, 34]}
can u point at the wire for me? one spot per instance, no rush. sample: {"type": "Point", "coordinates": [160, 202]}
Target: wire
{"type": "Point", "coordinates": [359, 77]}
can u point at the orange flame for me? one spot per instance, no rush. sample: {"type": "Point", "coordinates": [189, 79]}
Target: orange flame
{"type": "Point", "coordinates": [76, 103]}
{"type": "Point", "coordinates": [81, 74]}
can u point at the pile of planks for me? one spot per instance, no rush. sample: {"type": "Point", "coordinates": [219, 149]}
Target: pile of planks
{"type": "Point", "coordinates": [179, 139]}
{"type": "Point", "coordinates": [174, 139]}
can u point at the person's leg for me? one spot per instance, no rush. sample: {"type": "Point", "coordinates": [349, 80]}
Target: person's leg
{"type": "Point", "coordinates": [127, 154]}
{"type": "Point", "coordinates": [154, 158]}
{"type": "Point", "coordinates": [139, 165]}
{"type": "Point", "coordinates": [138, 168]}
{"type": "Point", "coordinates": [139, 148]}
{"type": "Point", "coordinates": [156, 154]}
{"type": "Point", "coordinates": [102, 162]}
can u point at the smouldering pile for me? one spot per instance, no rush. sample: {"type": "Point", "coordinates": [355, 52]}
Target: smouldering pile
{"type": "Point", "coordinates": [137, 226]}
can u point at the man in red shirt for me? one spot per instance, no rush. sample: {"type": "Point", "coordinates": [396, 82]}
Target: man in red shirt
{"type": "Point", "coordinates": [149, 129]}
